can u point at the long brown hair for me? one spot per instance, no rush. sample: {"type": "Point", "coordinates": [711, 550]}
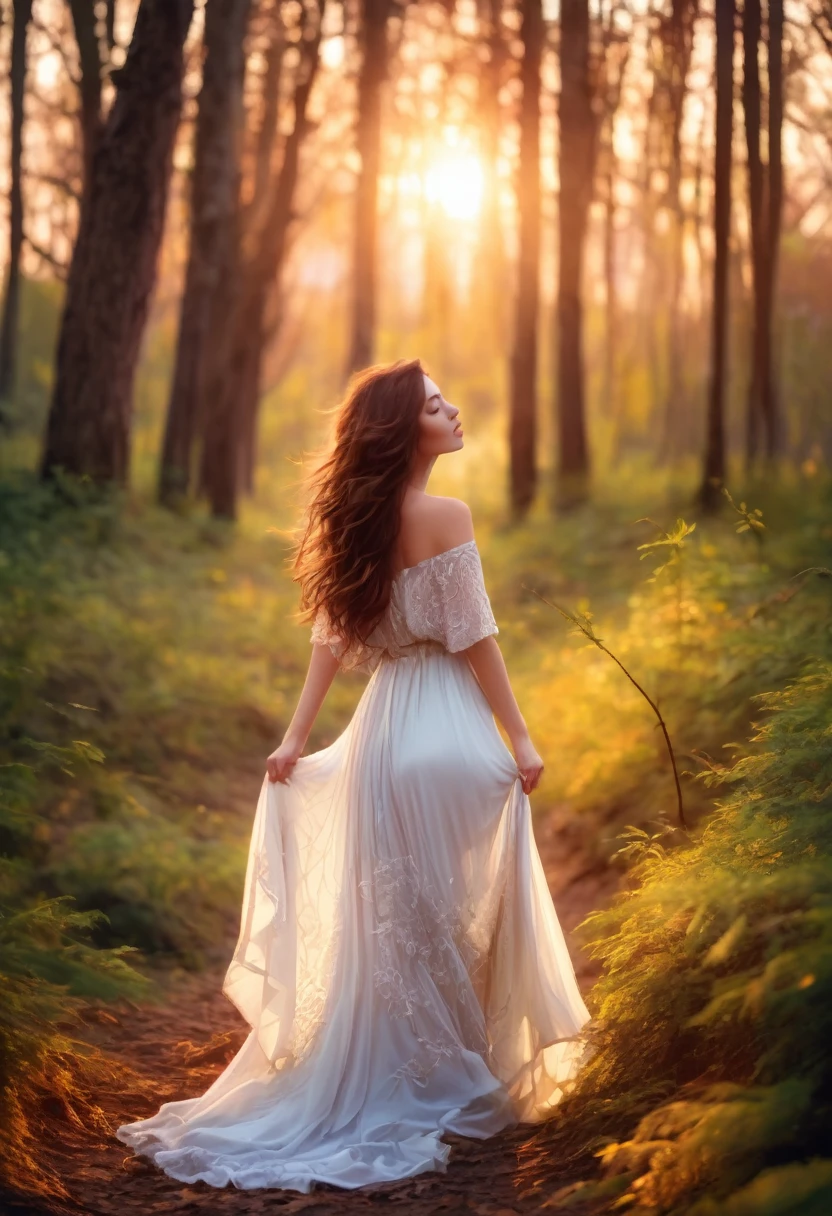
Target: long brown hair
{"type": "Point", "coordinates": [344, 559]}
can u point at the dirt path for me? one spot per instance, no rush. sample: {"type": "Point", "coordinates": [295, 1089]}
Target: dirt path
{"type": "Point", "coordinates": [179, 1047]}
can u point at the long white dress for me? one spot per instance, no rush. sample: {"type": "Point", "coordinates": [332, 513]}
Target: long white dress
{"type": "Point", "coordinates": [400, 961]}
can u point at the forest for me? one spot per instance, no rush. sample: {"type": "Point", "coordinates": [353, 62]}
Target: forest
{"type": "Point", "coordinates": [605, 226]}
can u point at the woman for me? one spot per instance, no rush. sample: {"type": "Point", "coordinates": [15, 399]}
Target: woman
{"type": "Point", "coordinates": [400, 962]}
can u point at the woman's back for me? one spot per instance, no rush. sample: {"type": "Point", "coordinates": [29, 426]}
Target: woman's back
{"type": "Point", "coordinates": [439, 601]}
{"type": "Point", "coordinates": [429, 524]}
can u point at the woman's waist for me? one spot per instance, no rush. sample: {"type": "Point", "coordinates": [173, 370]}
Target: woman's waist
{"type": "Point", "coordinates": [419, 648]}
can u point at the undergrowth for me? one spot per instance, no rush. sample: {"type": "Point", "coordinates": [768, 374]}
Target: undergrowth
{"type": "Point", "coordinates": [713, 1018]}
{"type": "Point", "coordinates": [50, 973]}
{"type": "Point", "coordinates": [150, 662]}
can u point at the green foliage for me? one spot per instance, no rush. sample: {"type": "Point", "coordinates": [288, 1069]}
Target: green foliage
{"type": "Point", "coordinates": [50, 971]}
{"type": "Point", "coordinates": [149, 663]}
{"type": "Point", "coordinates": [40, 309]}
{"type": "Point", "coordinates": [721, 618]}
{"type": "Point", "coordinates": [714, 1013]}
{"type": "Point", "coordinates": [172, 651]}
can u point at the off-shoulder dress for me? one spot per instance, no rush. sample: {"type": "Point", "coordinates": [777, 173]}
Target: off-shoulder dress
{"type": "Point", "coordinates": [400, 961]}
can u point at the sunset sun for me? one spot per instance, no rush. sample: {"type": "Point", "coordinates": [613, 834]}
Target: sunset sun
{"type": "Point", "coordinates": [455, 182]}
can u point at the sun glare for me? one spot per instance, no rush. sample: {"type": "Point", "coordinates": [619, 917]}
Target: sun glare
{"type": "Point", "coordinates": [455, 182]}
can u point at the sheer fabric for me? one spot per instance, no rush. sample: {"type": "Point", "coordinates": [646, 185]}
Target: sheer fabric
{"type": "Point", "coordinates": [442, 599]}
{"type": "Point", "coordinates": [400, 962]}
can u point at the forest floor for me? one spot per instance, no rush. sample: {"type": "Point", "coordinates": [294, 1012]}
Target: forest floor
{"type": "Point", "coordinates": [175, 1048]}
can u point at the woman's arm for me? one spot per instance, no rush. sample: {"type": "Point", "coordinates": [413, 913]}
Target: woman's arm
{"type": "Point", "coordinates": [489, 667]}
{"type": "Point", "coordinates": [323, 666]}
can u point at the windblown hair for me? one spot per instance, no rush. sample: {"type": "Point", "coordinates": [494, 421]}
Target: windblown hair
{"type": "Point", "coordinates": [344, 559]}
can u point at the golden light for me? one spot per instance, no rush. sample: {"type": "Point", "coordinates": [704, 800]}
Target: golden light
{"type": "Point", "coordinates": [455, 181]}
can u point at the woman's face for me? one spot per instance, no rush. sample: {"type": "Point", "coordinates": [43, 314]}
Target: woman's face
{"type": "Point", "coordinates": [439, 427]}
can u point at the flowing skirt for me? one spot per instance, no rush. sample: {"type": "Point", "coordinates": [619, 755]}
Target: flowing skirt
{"type": "Point", "coordinates": [400, 961]}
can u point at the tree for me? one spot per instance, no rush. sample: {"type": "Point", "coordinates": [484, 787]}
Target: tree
{"type": "Point", "coordinates": [576, 167]}
{"type": "Point", "coordinates": [676, 41]}
{"type": "Point", "coordinates": [91, 61]}
{"type": "Point", "coordinates": [765, 189]}
{"type": "Point", "coordinates": [114, 260]}
{"type": "Point", "coordinates": [213, 235]}
{"type": "Point", "coordinates": [374, 66]}
{"type": "Point", "coordinates": [616, 39]}
{"type": "Point", "coordinates": [523, 402]}
{"type": "Point", "coordinates": [236, 357]}
{"type": "Point", "coordinates": [490, 270]}
{"type": "Point", "coordinates": [714, 463]}
{"type": "Point", "coordinates": [22, 12]}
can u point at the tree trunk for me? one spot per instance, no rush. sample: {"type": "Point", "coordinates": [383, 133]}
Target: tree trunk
{"type": "Point", "coordinates": [89, 56]}
{"type": "Point", "coordinates": [254, 217]}
{"type": "Point", "coordinates": [214, 201]}
{"type": "Point", "coordinates": [610, 395]}
{"type": "Point", "coordinates": [677, 36]}
{"type": "Point", "coordinates": [577, 156]}
{"type": "Point", "coordinates": [22, 12]}
{"type": "Point", "coordinates": [714, 463]}
{"type": "Point", "coordinates": [523, 406]}
{"type": "Point", "coordinates": [765, 191]}
{"type": "Point", "coordinates": [752, 114]}
{"type": "Point", "coordinates": [114, 261]}
{"type": "Point", "coordinates": [234, 377]}
{"type": "Point", "coordinates": [374, 14]}
{"type": "Point", "coordinates": [770, 409]}
{"type": "Point", "coordinates": [489, 272]}
{"type": "Point", "coordinates": [268, 130]}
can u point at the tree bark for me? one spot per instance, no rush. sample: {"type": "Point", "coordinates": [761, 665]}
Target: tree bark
{"type": "Point", "coordinates": [89, 56]}
{"type": "Point", "coordinates": [22, 12]}
{"type": "Point", "coordinates": [268, 128]}
{"type": "Point", "coordinates": [770, 409]}
{"type": "Point", "coordinates": [114, 261]}
{"type": "Point", "coordinates": [611, 396]}
{"type": "Point", "coordinates": [714, 462]}
{"type": "Point", "coordinates": [677, 37]}
{"type": "Point", "coordinates": [214, 203]}
{"type": "Point", "coordinates": [489, 273]}
{"type": "Point", "coordinates": [577, 158]}
{"type": "Point", "coordinates": [765, 189]}
{"type": "Point", "coordinates": [234, 377]}
{"type": "Point", "coordinates": [254, 216]}
{"type": "Point", "coordinates": [523, 403]}
{"type": "Point", "coordinates": [373, 34]}
{"type": "Point", "coordinates": [752, 115]}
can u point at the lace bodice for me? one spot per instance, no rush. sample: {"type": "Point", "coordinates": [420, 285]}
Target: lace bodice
{"type": "Point", "coordinates": [441, 599]}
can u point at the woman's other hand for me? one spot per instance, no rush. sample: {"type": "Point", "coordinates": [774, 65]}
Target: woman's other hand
{"type": "Point", "coordinates": [282, 760]}
{"type": "Point", "coordinates": [529, 764]}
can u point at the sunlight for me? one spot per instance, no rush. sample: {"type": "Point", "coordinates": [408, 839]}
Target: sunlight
{"type": "Point", "coordinates": [455, 181]}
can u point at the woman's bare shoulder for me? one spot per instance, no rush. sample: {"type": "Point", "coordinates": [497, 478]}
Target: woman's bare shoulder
{"type": "Point", "coordinates": [430, 524]}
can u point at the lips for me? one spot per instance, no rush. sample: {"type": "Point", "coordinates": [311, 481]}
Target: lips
{"type": "Point", "coordinates": [458, 429]}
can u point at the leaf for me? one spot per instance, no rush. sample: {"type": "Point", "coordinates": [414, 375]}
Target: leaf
{"type": "Point", "coordinates": [722, 949]}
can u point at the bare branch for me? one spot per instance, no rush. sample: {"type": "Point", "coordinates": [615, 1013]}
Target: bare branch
{"type": "Point", "coordinates": [59, 48]}
{"type": "Point", "coordinates": [59, 267]}
{"type": "Point", "coordinates": [59, 183]}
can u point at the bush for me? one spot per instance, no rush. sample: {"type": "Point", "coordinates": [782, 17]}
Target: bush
{"type": "Point", "coordinates": [49, 975]}
{"type": "Point", "coordinates": [714, 1014]}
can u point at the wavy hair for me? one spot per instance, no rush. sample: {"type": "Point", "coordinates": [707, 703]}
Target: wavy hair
{"type": "Point", "coordinates": [344, 558]}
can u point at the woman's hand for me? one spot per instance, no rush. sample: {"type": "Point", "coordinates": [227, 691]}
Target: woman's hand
{"type": "Point", "coordinates": [529, 763]}
{"type": "Point", "coordinates": [283, 759]}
